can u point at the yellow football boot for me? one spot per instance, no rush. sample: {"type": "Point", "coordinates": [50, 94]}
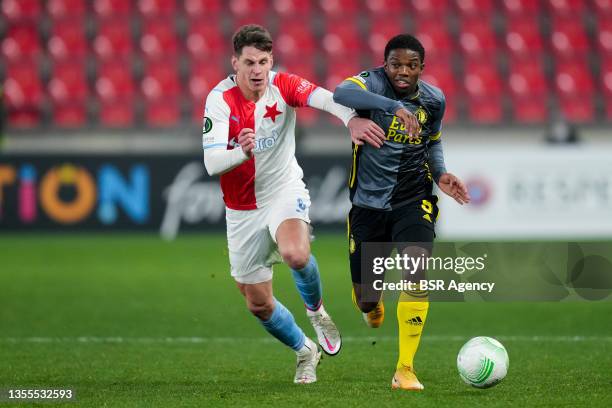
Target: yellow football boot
{"type": "Point", "coordinates": [375, 317]}
{"type": "Point", "coordinates": [405, 379]}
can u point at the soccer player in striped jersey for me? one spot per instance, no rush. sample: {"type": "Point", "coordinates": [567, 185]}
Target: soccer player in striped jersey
{"type": "Point", "coordinates": [391, 187]}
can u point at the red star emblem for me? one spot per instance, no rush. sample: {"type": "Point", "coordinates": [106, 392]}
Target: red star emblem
{"type": "Point", "coordinates": [271, 112]}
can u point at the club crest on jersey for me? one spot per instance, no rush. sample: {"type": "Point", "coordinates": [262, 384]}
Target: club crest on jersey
{"type": "Point", "coordinates": [421, 115]}
{"type": "Point", "coordinates": [272, 112]}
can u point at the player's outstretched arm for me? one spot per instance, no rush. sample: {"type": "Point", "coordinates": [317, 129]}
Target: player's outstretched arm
{"type": "Point", "coordinates": [349, 94]}
{"type": "Point", "coordinates": [362, 130]}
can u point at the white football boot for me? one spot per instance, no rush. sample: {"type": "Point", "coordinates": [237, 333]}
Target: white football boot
{"type": "Point", "coordinates": [307, 360]}
{"type": "Point", "coordinates": [327, 333]}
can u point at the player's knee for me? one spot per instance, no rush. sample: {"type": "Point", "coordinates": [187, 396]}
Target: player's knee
{"type": "Point", "coordinates": [262, 310]}
{"type": "Point", "coordinates": [296, 257]}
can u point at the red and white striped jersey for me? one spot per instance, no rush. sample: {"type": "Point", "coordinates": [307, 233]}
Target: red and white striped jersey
{"type": "Point", "coordinates": [273, 166]}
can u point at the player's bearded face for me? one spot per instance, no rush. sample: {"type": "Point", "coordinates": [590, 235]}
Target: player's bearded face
{"type": "Point", "coordinates": [403, 68]}
{"type": "Point", "coordinates": [252, 67]}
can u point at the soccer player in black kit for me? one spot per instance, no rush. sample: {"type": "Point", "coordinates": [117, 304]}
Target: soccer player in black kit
{"type": "Point", "coordinates": [391, 186]}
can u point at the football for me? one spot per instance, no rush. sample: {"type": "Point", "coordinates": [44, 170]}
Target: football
{"type": "Point", "coordinates": [482, 362]}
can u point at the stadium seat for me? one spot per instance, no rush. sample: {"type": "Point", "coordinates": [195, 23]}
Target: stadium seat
{"type": "Point", "coordinates": [68, 40]}
{"type": "Point", "coordinates": [517, 8]}
{"type": "Point", "coordinates": [119, 114]}
{"type": "Point", "coordinates": [203, 76]}
{"type": "Point", "coordinates": [482, 79]}
{"type": "Point", "coordinates": [441, 76]}
{"type": "Point", "coordinates": [523, 37]}
{"type": "Point", "coordinates": [62, 9]}
{"type": "Point", "coordinates": [304, 68]}
{"type": "Point", "coordinates": [435, 37]}
{"type": "Point", "coordinates": [198, 9]}
{"type": "Point", "coordinates": [159, 40]}
{"type": "Point", "coordinates": [606, 77]}
{"type": "Point", "coordinates": [114, 82]}
{"type": "Point", "coordinates": [160, 81]}
{"type": "Point", "coordinates": [204, 40]}
{"type": "Point", "coordinates": [568, 38]}
{"type": "Point", "coordinates": [162, 113]}
{"type": "Point", "coordinates": [157, 8]}
{"type": "Point", "coordinates": [23, 95]}
{"type": "Point", "coordinates": [340, 8]}
{"type": "Point", "coordinates": [112, 8]}
{"type": "Point", "coordinates": [338, 71]}
{"type": "Point", "coordinates": [293, 8]}
{"type": "Point", "coordinates": [394, 8]}
{"type": "Point", "coordinates": [604, 35]}
{"type": "Point", "coordinates": [68, 83]}
{"type": "Point", "coordinates": [431, 8]}
{"type": "Point", "coordinates": [529, 91]}
{"type": "Point", "coordinates": [575, 89]}
{"type": "Point", "coordinates": [295, 40]}
{"type": "Point", "coordinates": [602, 7]}
{"type": "Point", "coordinates": [71, 115]}
{"type": "Point", "coordinates": [341, 38]}
{"type": "Point", "coordinates": [19, 10]}
{"type": "Point", "coordinates": [382, 29]}
{"type": "Point", "coordinates": [477, 39]}
{"type": "Point", "coordinates": [114, 39]}
{"type": "Point", "coordinates": [481, 8]}
{"type": "Point", "coordinates": [570, 8]}
{"type": "Point", "coordinates": [21, 42]}
{"type": "Point", "coordinates": [248, 8]}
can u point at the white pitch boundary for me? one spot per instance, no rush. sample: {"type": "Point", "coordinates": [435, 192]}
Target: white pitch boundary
{"type": "Point", "coordinates": [349, 339]}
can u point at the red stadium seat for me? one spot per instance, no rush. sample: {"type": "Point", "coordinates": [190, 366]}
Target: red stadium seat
{"type": "Point", "coordinates": [530, 8]}
{"type": "Point", "coordinates": [118, 114]}
{"type": "Point", "coordinates": [157, 8]}
{"type": "Point", "coordinates": [526, 79]}
{"type": "Point", "coordinates": [567, 7]}
{"type": "Point", "coordinates": [293, 8]}
{"type": "Point", "coordinates": [381, 31]}
{"type": "Point", "coordinates": [306, 69]}
{"type": "Point", "coordinates": [340, 8]}
{"type": "Point", "coordinates": [477, 39]}
{"type": "Point", "coordinates": [71, 115]}
{"type": "Point", "coordinates": [295, 40]}
{"type": "Point", "coordinates": [112, 8]}
{"type": "Point", "coordinates": [395, 8]}
{"type": "Point", "coordinates": [18, 10]}
{"type": "Point", "coordinates": [248, 8]}
{"type": "Point", "coordinates": [68, 40]}
{"type": "Point", "coordinates": [530, 110]}
{"type": "Point", "coordinates": [431, 8]}
{"type": "Point", "coordinates": [244, 19]}
{"type": "Point", "coordinates": [441, 76]}
{"type": "Point", "coordinates": [62, 9]}
{"type": "Point", "coordinates": [159, 40]}
{"type": "Point", "coordinates": [339, 70]}
{"type": "Point", "coordinates": [21, 43]}
{"type": "Point", "coordinates": [568, 38]}
{"type": "Point", "coordinates": [575, 89]}
{"type": "Point", "coordinates": [204, 40]}
{"type": "Point", "coordinates": [202, 78]}
{"type": "Point", "coordinates": [606, 77]}
{"type": "Point", "coordinates": [604, 35]}
{"type": "Point", "coordinates": [483, 8]}
{"type": "Point", "coordinates": [198, 9]}
{"type": "Point", "coordinates": [68, 83]}
{"type": "Point", "coordinates": [482, 79]}
{"type": "Point", "coordinates": [602, 7]}
{"type": "Point", "coordinates": [114, 39]}
{"type": "Point", "coordinates": [485, 110]}
{"type": "Point", "coordinates": [341, 38]}
{"type": "Point", "coordinates": [523, 37]}
{"type": "Point", "coordinates": [115, 82]}
{"type": "Point", "coordinates": [23, 95]}
{"type": "Point", "coordinates": [160, 81]}
{"type": "Point", "coordinates": [162, 113]}
{"type": "Point", "coordinates": [435, 38]}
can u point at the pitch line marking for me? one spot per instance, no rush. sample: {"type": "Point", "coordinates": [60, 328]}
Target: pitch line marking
{"type": "Point", "coordinates": [350, 339]}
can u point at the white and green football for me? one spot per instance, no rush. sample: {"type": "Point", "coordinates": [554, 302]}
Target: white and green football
{"type": "Point", "coordinates": [482, 362]}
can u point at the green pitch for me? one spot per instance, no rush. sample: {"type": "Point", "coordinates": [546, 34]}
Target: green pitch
{"type": "Point", "coordinates": [135, 321]}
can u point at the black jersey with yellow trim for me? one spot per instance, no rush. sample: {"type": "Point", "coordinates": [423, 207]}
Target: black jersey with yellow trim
{"type": "Point", "coordinates": [398, 173]}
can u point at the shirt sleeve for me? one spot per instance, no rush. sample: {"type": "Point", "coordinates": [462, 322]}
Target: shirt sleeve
{"type": "Point", "coordinates": [436, 127]}
{"type": "Point", "coordinates": [215, 130]}
{"type": "Point", "coordinates": [295, 90]}
{"type": "Point", "coordinates": [360, 92]}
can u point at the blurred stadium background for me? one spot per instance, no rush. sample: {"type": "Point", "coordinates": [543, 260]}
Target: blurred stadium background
{"type": "Point", "coordinates": [102, 106]}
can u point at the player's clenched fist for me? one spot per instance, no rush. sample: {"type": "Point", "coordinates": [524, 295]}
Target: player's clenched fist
{"type": "Point", "coordinates": [246, 139]}
{"type": "Point", "coordinates": [410, 121]}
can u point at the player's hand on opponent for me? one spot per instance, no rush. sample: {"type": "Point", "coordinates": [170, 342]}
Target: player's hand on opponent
{"type": "Point", "coordinates": [246, 139]}
{"type": "Point", "coordinates": [452, 186]}
{"type": "Point", "coordinates": [364, 130]}
{"type": "Point", "coordinates": [409, 120]}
